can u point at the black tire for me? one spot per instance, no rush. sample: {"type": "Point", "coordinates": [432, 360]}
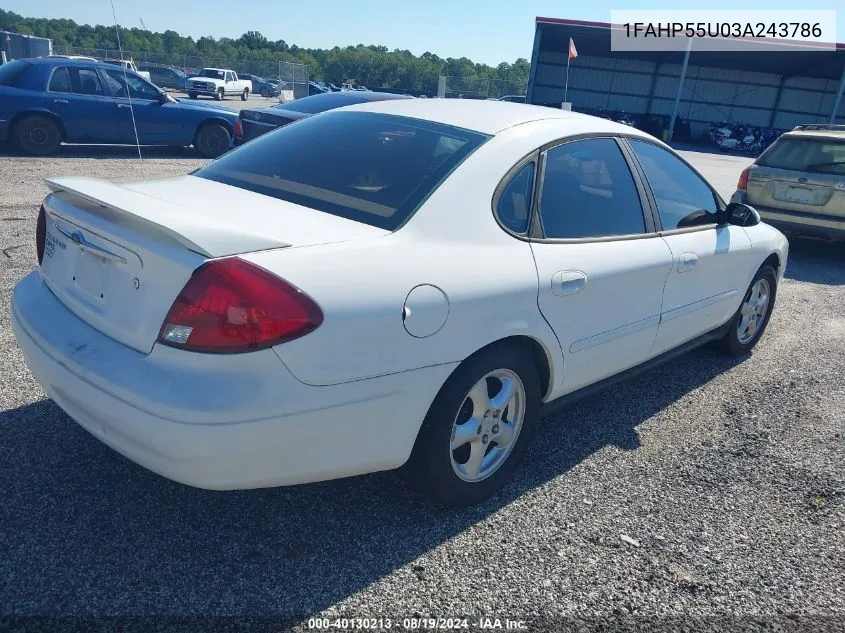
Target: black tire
{"type": "Point", "coordinates": [245, 94]}
{"type": "Point", "coordinates": [37, 135]}
{"type": "Point", "coordinates": [430, 467]}
{"type": "Point", "coordinates": [220, 94]}
{"type": "Point", "coordinates": [192, 95]}
{"type": "Point", "coordinates": [212, 140]}
{"type": "Point", "coordinates": [731, 343]}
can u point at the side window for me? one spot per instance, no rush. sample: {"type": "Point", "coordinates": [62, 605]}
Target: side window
{"type": "Point", "coordinates": [84, 81]}
{"type": "Point", "coordinates": [229, 77]}
{"type": "Point", "coordinates": [683, 198]}
{"type": "Point", "coordinates": [588, 191]}
{"type": "Point", "coordinates": [60, 81]}
{"type": "Point", "coordinates": [138, 88]}
{"type": "Point", "coordinates": [514, 207]}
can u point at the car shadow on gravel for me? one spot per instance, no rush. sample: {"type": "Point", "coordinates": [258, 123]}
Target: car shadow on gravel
{"type": "Point", "coordinates": [85, 530]}
{"type": "Point", "coordinates": [816, 261]}
{"type": "Point", "coordinates": [108, 152]}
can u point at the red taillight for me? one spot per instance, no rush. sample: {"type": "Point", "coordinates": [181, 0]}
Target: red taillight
{"type": "Point", "coordinates": [230, 306]}
{"type": "Point", "coordinates": [743, 178]}
{"type": "Point", "coordinates": [238, 128]}
{"type": "Point", "coordinates": [40, 234]}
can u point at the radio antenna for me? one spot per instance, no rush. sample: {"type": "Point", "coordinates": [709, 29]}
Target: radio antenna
{"type": "Point", "coordinates": [128, 91]}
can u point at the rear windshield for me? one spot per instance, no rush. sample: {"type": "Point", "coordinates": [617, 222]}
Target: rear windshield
{"type": "Point", "coordinates": [10, 71]}
{"type": "Point", "coordinates": [372, 168]}
{"type": "Point", "coordinates": [823, 156]}
{"type": "Point", "coordinates": [322, 102]}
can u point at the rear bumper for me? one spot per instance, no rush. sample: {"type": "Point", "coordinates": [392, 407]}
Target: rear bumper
{"type": "Point", "coordinates": [816, 224]}
{"type": "Point", "coordinates": [219, 422]}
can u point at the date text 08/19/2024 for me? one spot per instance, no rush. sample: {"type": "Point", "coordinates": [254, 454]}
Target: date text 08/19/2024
{"type": "Point", "coordinates": [415, 624]}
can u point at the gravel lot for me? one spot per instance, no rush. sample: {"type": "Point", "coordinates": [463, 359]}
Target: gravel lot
{"type": "Point", "coordinates": [725, 476]}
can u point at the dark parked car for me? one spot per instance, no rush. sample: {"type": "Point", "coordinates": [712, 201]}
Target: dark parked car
{"type": "Point", "coordinates": [166, 77]}
{"type": "Point", "coordinates": [261, 86]}
{"type": "Point", "coordinates": [254, 123]}
{"type": "Point", "coordinates": [316, 89]}
{"type": "Point", "coordinates": [47, 101]}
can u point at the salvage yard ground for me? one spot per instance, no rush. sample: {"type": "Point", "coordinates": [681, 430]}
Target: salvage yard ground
{"type": "Point", "coordinates": [707, 486]}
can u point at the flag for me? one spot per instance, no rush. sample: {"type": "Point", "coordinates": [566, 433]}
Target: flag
{"type": "Point", "coordinates": [572, 52]}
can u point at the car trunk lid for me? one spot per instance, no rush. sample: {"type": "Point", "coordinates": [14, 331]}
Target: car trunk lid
{"type": "Point", "coordinates": [118, 255]}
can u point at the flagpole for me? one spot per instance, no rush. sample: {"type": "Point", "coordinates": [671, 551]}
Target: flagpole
{"type": "Point", "coordinates": [566, 88]}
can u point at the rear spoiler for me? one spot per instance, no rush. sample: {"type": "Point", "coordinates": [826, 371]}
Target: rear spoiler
{"type": "Point", "coordinates": [195, 231]}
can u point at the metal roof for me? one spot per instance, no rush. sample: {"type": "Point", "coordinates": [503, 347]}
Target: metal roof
{"type": "Point", "coordinates": [593, 39]}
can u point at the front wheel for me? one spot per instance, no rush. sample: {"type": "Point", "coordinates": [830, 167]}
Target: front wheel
{"type": "Point", "coordinates": [219, 94]}
{"type": "Point", "coordinates": [753, 316]}
{"type": "Point", "coordinates": [245, 94]}
{"type": "Point", "coordinates": [192, 95]}
{"type": "Point", "coordinates": [212, 140]}
{"type": "Point", "coordinates": [478, 427]}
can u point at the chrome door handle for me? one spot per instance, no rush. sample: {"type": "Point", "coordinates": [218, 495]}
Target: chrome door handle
{"type": "Point", "coordinates": [687, 262]}
{"type": "Point", "coordinates": [123, 105]}
{"type": "Point", "coordinates": [61, 101]}
{"type": "Point", "coordinates": [568, 282]}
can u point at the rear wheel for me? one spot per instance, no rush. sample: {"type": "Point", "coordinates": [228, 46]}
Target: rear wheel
{"type": "Point", "coordinates": [245, 94]}
{"type": "Point", "coordinates": [478, 427]}
{"type": "Point", "coordinates": [212, 140]}
{"type": "Point", "coordinates": [37, 135]}
{"type": "Point", "coordinates": [753, 316]}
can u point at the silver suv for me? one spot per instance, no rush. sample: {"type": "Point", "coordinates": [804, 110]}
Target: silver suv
{"type": "Point", "coordinates": [798, 183]}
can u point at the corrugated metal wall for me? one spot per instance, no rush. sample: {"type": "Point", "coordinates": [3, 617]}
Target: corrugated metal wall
{"type": "Point", "coordinates": [710, 94]}
{"type": "Point", "coordinates": [25, 45]}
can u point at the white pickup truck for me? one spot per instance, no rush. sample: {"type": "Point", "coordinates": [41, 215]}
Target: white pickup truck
{"type": "Point", "coordinates": [128, 64]}
{"type": "Point", "coordinates": [218, 83]}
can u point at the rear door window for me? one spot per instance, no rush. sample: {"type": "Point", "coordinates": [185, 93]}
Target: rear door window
{"type": "Point", "coordinates": [83, 81]}
{"type": "Point", "coordinates": [368, 167]}
{"type": "Point", "coordinates": [588, 191]}
{"type": "Point", "coordinates": [821, 156]}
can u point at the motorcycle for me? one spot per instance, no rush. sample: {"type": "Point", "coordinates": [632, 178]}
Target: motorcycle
{"type": "Point", "coordinates": [718, 131]}
{"type": "Point", "coordinates": [625, 119]}
{"type": "Point", "coordinates": [746, 141]}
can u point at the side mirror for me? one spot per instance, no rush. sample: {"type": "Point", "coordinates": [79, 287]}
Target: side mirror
{"type": "Point", "coordinates": [740, 214]}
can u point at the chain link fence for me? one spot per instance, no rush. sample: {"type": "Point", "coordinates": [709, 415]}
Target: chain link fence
{"type": "Point", "coordinates": [292, 78]}
{"type": "Point", "coordinates": [479, 88]}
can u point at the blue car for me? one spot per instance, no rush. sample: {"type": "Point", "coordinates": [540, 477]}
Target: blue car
{"type": "Point", "coordinates": [52, 100]}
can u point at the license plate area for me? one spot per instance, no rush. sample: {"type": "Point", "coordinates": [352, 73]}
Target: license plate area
{"type": "Point", "coordinates": [92, 274]}
{"type": "Point", "coordinates": [797, 194]}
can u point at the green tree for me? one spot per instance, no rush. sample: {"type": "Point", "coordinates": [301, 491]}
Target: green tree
{"type": "Point", "coordinates": [372, 65]}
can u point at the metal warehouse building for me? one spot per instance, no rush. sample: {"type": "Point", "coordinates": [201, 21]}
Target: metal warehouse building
{"type": "Point", "coordinates": [16, 45]}
{"type": "Point", "coordinates": [779, 89]}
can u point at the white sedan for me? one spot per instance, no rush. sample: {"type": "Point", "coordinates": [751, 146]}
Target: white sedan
{"type": "Point", "coordinates": [396, 283]}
